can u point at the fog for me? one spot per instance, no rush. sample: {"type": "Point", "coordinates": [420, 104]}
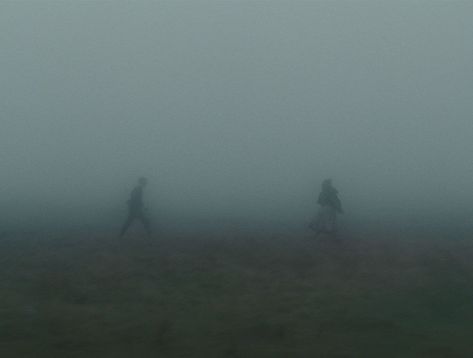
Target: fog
{"type": "Point", "coordinates": [236, 110]}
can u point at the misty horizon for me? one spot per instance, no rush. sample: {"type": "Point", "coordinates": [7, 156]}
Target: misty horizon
{"type": "Point", "coordinates": [236, 109]}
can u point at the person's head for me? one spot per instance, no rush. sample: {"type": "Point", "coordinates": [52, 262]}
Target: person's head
{"type": "Point", "coordinates": [327, 183]}
{"type": "Point", "coordinates": [142, 182]}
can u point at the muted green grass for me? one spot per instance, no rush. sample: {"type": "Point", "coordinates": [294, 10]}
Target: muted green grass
{"type": "Point", "coordinates": [236, 296]}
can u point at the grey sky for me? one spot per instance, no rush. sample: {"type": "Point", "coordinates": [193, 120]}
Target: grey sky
{"type": "Point", "coordinates": [236, 107]}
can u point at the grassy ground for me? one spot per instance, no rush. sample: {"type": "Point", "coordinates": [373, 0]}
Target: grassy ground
{"type": "Point", "coordinates": [236, 296]}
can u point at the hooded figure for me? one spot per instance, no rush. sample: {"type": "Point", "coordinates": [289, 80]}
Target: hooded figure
{"type": "Point", "coordinates": [330, 205]}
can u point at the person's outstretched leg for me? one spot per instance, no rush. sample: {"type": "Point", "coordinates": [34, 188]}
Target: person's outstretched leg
{"type": "Point", "coordinates": [127, 224]}
{"type": "Point", "coordinates": [144, 220]}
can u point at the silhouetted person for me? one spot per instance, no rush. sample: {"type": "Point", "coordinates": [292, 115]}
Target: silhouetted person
{"type": "Point", "coordinates": [136, 210]}
{"type": "Point", "coordinates": [330, 205]}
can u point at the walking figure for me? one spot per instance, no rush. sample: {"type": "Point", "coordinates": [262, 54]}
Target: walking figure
{"type": "Point", "coordinates": [330, 206]}
{"type": "Point", "coordinates": [136, 210]}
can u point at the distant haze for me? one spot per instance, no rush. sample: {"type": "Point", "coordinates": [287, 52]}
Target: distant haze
{"type": "Point", "coordinates": [236, 109]}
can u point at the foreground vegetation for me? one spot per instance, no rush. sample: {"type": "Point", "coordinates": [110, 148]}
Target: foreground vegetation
{"type": "Point", "coordinates": [233, 295]}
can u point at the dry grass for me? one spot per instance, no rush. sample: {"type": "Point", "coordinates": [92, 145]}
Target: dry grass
{"type": "Point", "coordinates": [225, 295]}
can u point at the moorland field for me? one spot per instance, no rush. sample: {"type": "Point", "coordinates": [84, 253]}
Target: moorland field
{"type": "Point", "coordinates": [237, 294]}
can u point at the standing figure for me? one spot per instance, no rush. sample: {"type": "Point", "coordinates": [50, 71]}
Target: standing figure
{"type": "Point", "coordinates": [330, 205]}
{"type": "Point", "coordinates": [136, 210]}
